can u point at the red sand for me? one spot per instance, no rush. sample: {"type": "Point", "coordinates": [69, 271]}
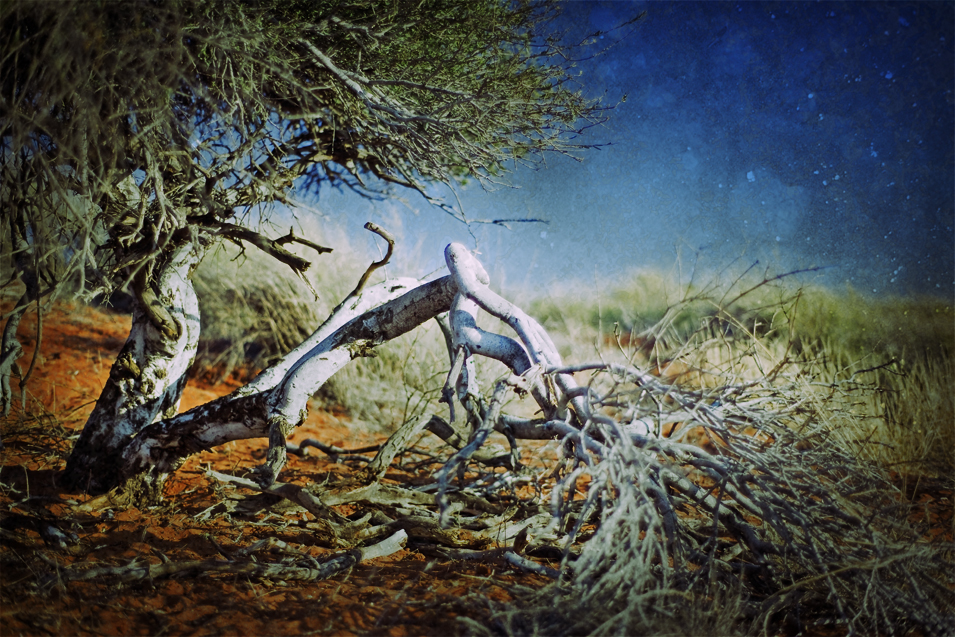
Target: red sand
{"type": "Point", "coordinates": [404, 594]}
{"type": "Point", "coordinates": [407, 593]}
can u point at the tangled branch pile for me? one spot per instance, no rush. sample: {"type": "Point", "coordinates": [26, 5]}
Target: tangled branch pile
{"type": "Point", "coordinates": [729, 491]}
{"type": "Point", "coordinates": [769, 517]}
{"type": "Point", "coordinates": [774, 523]}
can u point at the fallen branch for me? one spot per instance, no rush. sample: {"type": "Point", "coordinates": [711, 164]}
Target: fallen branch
{"type": "Point", "coordinates": [334, 453]}
{"type": "Point", "coordinates": [306, 568]}
{"type": "Point", "coordinates": [337, 529]}
{"type": "Point", "coordinates": [508, 554]}
{"type": "Point", "coordinates": [489, 456]}
{"type": "Point", "coordinates": [162, 445]}
{"type": "Point", "coordinates": [395, 444]}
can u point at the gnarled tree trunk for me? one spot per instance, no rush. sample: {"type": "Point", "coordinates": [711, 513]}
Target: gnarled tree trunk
{"type": "Point", "coordinates": [147, 378]}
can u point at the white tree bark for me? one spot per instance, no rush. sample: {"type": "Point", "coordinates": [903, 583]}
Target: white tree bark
{"type": "Point", "coordinates": [147, 378]}
{"type": "Point", "coordinates": [472, 281]}
{"type": "Point", "coordinates": [352, 306]}
{"type": "Point", "coordinates": [280, 407]}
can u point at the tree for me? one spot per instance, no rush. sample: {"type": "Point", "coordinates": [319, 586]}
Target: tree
{"type": "Point", "coordinates": [135, 136]}
{"type": "Point", "coordinates": [138, 135]}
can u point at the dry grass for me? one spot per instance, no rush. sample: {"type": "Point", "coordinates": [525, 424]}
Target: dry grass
{"type": "Point", "coordinates": [883, 368]}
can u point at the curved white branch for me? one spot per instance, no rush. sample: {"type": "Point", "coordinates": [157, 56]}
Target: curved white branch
{"type": "Point", "coordinates": [372, 328]}
{"type": "Point", "coordinates": [465, 331]}
{"type": "Point", "coordinates": [472, 280]}
{"type": "Point", "coordinates": [365, 300]}
{"type": "Point", "coordinates": [162, 445]}
{"type": "Point", "coordinates": [467, 334]}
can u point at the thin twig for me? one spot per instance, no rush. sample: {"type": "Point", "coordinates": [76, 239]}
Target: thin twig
{"type": "Point", "coordinates": [377, 264]}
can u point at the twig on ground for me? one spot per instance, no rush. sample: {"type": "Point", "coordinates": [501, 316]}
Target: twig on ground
{"type": "Point", "coordinates": [335, 453]}
{"type": "Point", "coordinates": [305, 569]}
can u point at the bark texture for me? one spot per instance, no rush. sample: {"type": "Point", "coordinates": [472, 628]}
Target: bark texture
{"type": "Point", "coordinates": [147, 378]}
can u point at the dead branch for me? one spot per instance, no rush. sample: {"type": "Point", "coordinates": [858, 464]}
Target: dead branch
{"type": "Point", "coordinates": [162, 445]}
{"type": "Point", "coordinates": [334, 453]}
{"type": "Point", "coordinates": [509, 555]}
{"type": "Point", "coordinates": [304, 569]}
{"type": "Point", "coordinates": [377, 264]}
{"type": "Point", "coordinates": [493, 456]}
{"type": "Point", "coordinates": [273, 247]}
{"type": "Point", "coordinates": [395, 444]}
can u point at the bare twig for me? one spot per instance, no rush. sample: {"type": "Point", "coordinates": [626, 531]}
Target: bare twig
{"type": "Point", "coordinates": [305, 569]}
{"type": "Point", "coordinates": [377, 264]}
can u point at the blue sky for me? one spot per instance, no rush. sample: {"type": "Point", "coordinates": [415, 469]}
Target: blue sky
{"type": "Point", "coordinates": [795, 134]}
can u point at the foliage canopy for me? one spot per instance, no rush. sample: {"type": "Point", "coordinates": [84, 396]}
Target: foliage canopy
{"type": "Point", "coordinates": [128, 128]}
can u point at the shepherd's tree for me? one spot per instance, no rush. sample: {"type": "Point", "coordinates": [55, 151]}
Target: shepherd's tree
{"type": "Point", "coordinates": [137, 135]}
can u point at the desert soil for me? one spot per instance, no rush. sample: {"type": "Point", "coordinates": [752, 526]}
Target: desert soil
{"type": "Point", "coordinates": [406, 593]}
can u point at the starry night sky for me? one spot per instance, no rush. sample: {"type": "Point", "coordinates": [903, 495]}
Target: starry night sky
{"type": "Point", "coordinates": [794, 134]}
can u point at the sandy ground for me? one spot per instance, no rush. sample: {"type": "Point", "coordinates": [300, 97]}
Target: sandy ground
{"type": "Point", "coordinates": [407, 593]}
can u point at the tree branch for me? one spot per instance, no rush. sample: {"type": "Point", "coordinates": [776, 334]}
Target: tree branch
{"type": "Point", "coordinates": [272, 247]}
{"type": "Point", "coordinates": [163, 445]}
{"type": "Point", "coordinates": [377, 264]}
{"type": "Point", "coordinates": [304, 569]}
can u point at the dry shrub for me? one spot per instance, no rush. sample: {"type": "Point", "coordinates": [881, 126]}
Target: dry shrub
{"type": "Point", "coordinates": [249, 323]}
{"type": "Point", "coordinates": [766, 509]}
